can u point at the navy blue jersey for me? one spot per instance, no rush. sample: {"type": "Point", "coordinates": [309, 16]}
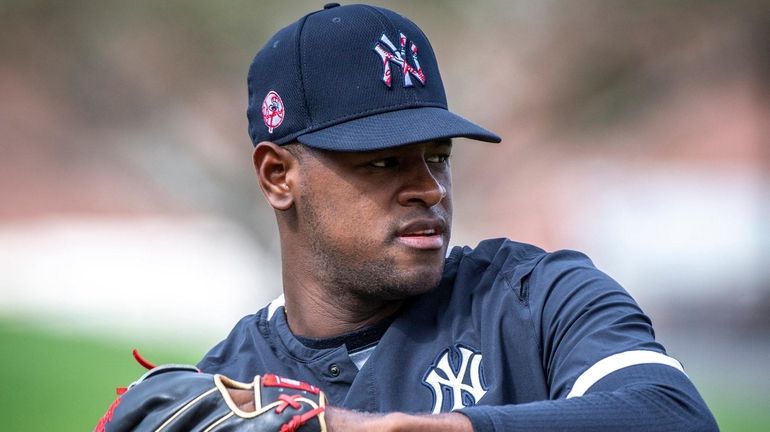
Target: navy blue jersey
{"type": "Point", "coordinates": [513, 337]}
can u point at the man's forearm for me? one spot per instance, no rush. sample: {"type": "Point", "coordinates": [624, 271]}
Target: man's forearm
{"type": "Point", "coordinates": [671, 407]}
{"type": "Point", "coordinates": [342, 420]}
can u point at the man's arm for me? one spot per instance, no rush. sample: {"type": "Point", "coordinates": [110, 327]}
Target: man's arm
{"type": "Point", "coordinates": [631, 401]}
{"type": "Point", "coordinates": [338, 419]}
{"type": "Point", "coordinates": [671, 403]}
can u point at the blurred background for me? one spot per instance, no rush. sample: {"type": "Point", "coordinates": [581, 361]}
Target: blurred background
{"type": "Point", "coordinates": [636, 132]}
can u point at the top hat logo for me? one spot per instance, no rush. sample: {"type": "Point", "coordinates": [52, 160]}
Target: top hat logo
{"type": "Point", "coordinates": [272, 111]}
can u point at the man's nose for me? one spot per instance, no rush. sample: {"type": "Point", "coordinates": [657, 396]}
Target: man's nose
{"type": "Point", "coordinates": [421, 187]}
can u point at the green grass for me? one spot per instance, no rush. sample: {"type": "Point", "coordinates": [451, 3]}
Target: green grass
{"type": "Point", "coordinates": [738, 410]}
{"type": "Point", "coordinates": [53, 382]}
{"type": "Point", "coordinates": [65, 383]}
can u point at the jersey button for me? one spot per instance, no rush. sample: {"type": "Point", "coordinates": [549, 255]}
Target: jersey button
{"type": "Point", "coordinates": [334, 370]}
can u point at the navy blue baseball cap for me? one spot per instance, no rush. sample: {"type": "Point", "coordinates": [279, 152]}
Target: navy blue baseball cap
{"type": "Point", "coordinates": [351, 78]}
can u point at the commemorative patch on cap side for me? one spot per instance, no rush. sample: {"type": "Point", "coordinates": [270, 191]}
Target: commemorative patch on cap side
{"type": "Point", "coordinates": [273, 110]}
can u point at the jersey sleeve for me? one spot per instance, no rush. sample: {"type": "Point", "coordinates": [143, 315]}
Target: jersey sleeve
{"type": "Point", "coordinates": [604, 369]}
{"type": "Point", "coordinates": [584, 320]}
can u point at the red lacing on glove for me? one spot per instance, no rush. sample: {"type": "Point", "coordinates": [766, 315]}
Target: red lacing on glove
{"type": "Point", "coordinates": [107, 417]}
{"type": "Point", "coordinates": [288, 401]}
{"type": "Point", "coordinates": [141, 360]}
{"type": "Point", "coordinates": [297, 421]}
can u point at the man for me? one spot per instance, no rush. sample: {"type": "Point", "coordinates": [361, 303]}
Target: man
{"type": "Point", "coordinates": [352, 138]}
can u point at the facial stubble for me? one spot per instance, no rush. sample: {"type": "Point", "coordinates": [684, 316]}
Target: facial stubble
{"type": "Point", "coordinates": [345, 272]}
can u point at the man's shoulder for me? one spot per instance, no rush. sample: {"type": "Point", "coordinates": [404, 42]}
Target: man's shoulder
{"type": "Point", "coordinates": [498, 254]}
{"type": "Point", "coordinates": [246, 339]}
{"type": "Point", "coordinates": [526, 269]}
{"type": "Point", "coordinates": [506, 255]}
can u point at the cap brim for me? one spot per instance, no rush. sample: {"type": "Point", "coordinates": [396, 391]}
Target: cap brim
{"type": "Point", "coordinates": [396, 128]}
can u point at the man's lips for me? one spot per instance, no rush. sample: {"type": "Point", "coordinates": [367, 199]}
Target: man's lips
{"type": "Point", "coordinates": [424, 234]}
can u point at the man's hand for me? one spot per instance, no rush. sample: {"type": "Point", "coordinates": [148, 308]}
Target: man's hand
{"type": "Point", "coordinates": [243, 399]}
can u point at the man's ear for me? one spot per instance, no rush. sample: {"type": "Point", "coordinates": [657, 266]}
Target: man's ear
{"type": "Point", "coordinates": [274, 166]}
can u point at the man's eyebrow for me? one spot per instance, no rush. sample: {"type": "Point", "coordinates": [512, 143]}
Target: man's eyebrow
{"type": "Point", "coordinates": [444, 142]}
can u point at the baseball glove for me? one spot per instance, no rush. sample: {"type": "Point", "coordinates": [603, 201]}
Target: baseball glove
{"type": "Point", "coordinates": [181, 398]}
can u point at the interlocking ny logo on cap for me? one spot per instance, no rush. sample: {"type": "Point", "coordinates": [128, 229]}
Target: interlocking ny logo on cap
{"type": "Point", "coordinates": [398, 56]}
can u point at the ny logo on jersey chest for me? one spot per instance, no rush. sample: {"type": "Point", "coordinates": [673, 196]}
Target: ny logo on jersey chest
{"type": "Point", "coordinates": [456, 379]}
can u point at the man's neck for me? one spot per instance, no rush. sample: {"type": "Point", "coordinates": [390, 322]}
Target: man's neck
{"type": "Point", "coordinates": [313, 312]}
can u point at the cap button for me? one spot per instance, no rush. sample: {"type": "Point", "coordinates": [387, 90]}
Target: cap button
{"type": "Point", "coordinates": [331, 5]}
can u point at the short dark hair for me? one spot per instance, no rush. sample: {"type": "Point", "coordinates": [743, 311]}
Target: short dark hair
{"type": "Point", "coordinates": [298, 150]}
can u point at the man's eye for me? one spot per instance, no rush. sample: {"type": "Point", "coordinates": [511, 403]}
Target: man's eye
{"type": "Point", "coordinates": [384, 163]}
{"type": "Point", "coordinates": [438, 158]}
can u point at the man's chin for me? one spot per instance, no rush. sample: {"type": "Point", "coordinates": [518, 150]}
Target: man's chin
{"type": "Point", "coordinates": [415, 281]}
{"type": "Point", "coordinates": [399, 274]}
{"type": "Point", "coordinates": [399, 293]}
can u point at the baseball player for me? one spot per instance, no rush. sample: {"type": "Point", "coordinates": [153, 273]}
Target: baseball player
{"type": "Point", "coordinates": [382, 326]}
